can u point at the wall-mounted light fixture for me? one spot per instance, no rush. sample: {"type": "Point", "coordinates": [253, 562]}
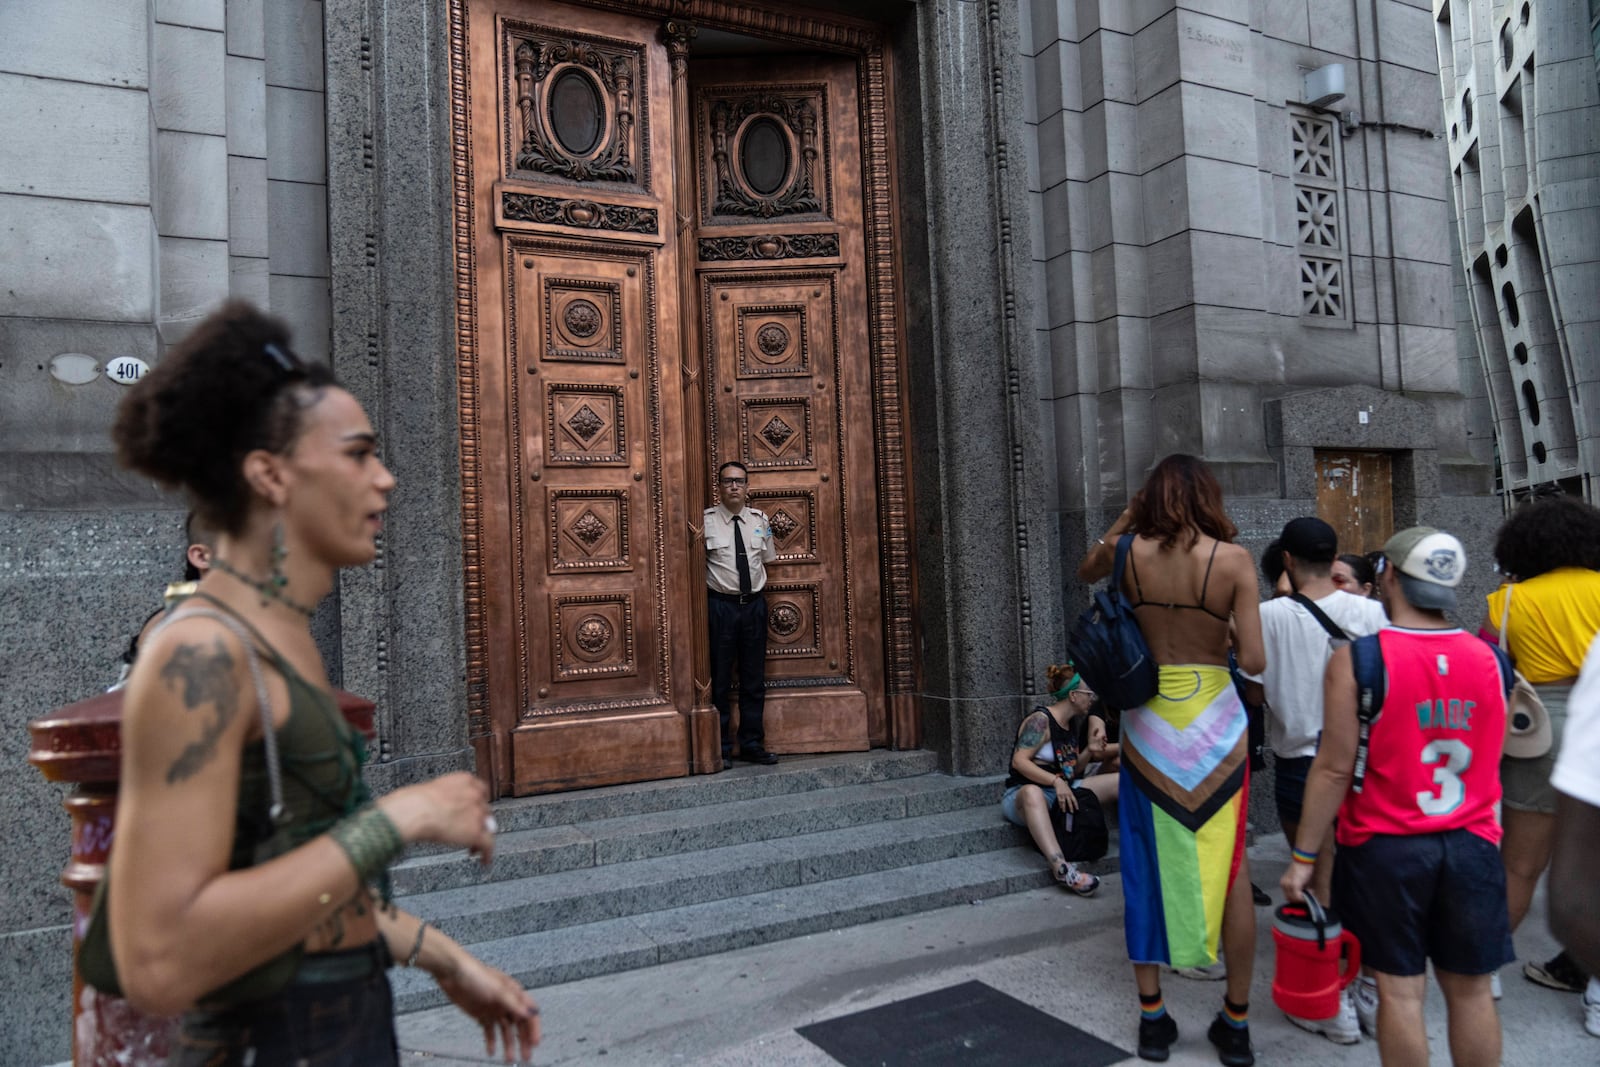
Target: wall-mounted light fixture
{"type": "Point", "coordinates": [1324, 86]}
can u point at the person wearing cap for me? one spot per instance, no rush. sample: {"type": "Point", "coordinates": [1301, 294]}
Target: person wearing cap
{"type": "Point", "coordinates": [1549, 612]}
{"type": "Point", "coordinates": [1299, 644]}
{"type": "Point", "coordinates": [1417, 876]}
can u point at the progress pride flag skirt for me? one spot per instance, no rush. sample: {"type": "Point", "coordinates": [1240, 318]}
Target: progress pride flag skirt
{"type": "Point", "coordinates": [1181, 812]}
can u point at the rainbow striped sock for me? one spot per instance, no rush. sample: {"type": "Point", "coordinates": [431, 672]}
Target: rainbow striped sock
{"type": "Point", "coordinates": [1152, 1008]}
{"type": "Point", "coordinates": [1238, 1015]}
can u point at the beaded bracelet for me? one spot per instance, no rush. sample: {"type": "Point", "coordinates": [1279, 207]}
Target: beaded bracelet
{"type": "Point", "coordinates": [1302, 856]}
{"type": "Point", "coordinates": [370, 840]}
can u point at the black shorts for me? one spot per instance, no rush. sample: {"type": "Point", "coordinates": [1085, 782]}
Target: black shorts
{"type": "Point", "coordinates": [1289, 785]}
{"type": "Point", "coordinates": [1439, 897]}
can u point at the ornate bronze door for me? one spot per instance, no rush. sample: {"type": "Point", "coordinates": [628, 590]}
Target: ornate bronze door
{"type": "Point", "coordinates": [586, 598]}
{"type": "Point", "coordinates": [783, 331]}
{"type": "Point", "coordinates": [664, 265]}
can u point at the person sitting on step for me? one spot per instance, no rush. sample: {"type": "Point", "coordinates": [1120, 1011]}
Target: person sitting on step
{"type": "Point", "coordinates": [1046, 791]}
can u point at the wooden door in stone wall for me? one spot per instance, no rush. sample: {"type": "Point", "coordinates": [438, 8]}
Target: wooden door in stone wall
{"type": "Point", "coordinates": [585, 639]}
{"type": "Point", "coordinates": [665, 263]}
{"type": "Point", "coordinates": [782, 327]}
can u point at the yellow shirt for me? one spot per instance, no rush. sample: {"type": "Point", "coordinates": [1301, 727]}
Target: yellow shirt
{"type": "Point", "coordinates": [1553, 619]}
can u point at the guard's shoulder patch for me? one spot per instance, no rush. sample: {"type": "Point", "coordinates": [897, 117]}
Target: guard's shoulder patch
{"type": "Point", "coordinates": [711, 509]}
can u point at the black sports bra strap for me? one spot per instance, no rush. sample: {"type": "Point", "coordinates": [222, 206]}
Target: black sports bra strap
{"type": "Point", "coordinates": [1205, 583]}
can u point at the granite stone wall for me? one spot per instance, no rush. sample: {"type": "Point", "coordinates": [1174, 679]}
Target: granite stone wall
{"type": "Point", "coordinates": [161, 157]}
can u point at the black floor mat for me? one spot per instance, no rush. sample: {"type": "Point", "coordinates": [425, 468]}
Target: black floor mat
{"type": "Point", "coordinates": [967, 1025]}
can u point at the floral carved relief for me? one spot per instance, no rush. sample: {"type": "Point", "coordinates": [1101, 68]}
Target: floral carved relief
{"type": "Point", "coordinates": [575, 104]}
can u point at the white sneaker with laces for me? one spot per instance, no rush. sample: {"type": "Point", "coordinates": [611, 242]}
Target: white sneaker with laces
{"type": "Point", "coordinates": [1364, 995]}
{"type": "Point", "coordinates": [1591, 1007]}
{"type": "Point", "coordinates": [1211, 972]}
{"type": "Point", "coordinates": [1342, 1029]}
{"type": "Point", "coordinates": [1494, 985]}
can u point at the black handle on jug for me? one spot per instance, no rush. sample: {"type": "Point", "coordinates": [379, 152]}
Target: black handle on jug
{"type": "Point", "coordinates": [1318, 917]}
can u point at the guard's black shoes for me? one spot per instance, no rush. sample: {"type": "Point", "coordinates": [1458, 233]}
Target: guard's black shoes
{"type": "Point", "coordinates": [758, 755]}
{"type": "Point", "coordinates": [1156, 1037]}
{"type": "Point", "coordinates": [1233, 1043]}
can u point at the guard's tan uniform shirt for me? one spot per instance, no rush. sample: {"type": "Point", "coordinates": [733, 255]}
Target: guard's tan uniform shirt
{"type": "Point", "coordinates": [722, 570]}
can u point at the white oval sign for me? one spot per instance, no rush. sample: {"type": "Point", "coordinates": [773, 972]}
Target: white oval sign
{"type": "Point", "coordinates": [125, 370]}
{"type": "Point", "coordinates": [74, 368]}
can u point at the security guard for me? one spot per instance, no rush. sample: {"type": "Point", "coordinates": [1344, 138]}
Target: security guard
{"type": "Point", "coordinates": [738, 548]}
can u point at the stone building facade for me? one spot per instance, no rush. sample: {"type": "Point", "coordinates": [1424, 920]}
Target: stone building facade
{"type": "Point", "coordinates": [1117, 230]}
{"type": "Point", "coordinates": [1522, 103]}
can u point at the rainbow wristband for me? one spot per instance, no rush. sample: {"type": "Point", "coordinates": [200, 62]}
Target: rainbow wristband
{"type": "Point", "coordinates": [1302, 856]}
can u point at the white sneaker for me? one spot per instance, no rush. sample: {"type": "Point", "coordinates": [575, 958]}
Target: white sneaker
{"type": "Point", "coordinates": [1211, 972]}
{"type": "Point", "coordinates": [1342, 1029]}
{"type": "Point", "coordinates": [1364, 995]}
{"type": "Point", "coordinates": [1494, 985]}
{"type": "Point", "coordinates": [1591, 1007]}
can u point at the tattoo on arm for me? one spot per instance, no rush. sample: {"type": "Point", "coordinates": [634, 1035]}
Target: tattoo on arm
{"type": "Point", "coordinates": [204, 678]}
{"type": "Point", "coordinates": [1034, 731]}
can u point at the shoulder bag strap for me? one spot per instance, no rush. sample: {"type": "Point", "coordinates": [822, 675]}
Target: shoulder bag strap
{"type": "Point", "coordinates": [1321, 616]}
{"type": "Point", "coordinates": [1505, 617]}
{"type": "Point", "coordinates": [1366, 660]}
{"type": "Point", "coordinates": [1124, 548]}
{"type": "Point", "coordinates": [269, 735]}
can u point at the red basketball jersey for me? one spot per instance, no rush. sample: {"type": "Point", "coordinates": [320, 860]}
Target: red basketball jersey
{"type": "Point", "coordinates": [1433, 761]}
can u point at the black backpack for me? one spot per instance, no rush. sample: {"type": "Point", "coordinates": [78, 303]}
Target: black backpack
{"type": "Point", "coordinates": [1089, 838]}
{"type": "Point", "coordinates": [1108, 648]}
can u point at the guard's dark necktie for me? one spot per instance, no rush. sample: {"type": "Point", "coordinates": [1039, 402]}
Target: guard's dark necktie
{"type": "Point", "coordinates": [738, 555]}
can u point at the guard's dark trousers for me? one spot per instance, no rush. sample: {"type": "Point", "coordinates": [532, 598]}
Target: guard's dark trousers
{"type": "Point", "coordinates": [739, 635]}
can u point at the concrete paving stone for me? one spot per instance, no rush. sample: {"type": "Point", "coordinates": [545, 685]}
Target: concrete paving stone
{"type": "Point", "coordinates": [548, 958]}
{"type": "Point", "coordinates": [1062, 955]}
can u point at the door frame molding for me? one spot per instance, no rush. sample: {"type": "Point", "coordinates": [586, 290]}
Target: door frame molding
{"type": "Point", "coordinates": [885, 307]}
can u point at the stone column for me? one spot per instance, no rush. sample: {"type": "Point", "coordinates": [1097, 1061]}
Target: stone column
{"type": "Point", "coordinates": [394, 344]}
{"type": "Point", "coordinates": [988, 555]}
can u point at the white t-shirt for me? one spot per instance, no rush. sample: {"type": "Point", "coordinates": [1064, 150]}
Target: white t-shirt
{"type": "Point", "coordinates": [1577, 772]}
{"type": "Point", "coordinates": [1298, 649]}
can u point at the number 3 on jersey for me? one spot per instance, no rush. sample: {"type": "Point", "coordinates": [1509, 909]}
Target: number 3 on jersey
{"type": "Point", "coordinates": [1457, 757]}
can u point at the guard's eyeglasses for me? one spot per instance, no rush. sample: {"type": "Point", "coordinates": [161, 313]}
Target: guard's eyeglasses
{"type": "Point", "coordinates": [734, 481]}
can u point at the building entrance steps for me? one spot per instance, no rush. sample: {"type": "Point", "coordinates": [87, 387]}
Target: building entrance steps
{"type": "Point", "coordinates": [611, 879]}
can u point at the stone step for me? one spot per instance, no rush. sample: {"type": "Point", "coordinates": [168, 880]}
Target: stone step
{"type": "Point", "coordinates": [567, 953]}
{"type": "Point", "coordinates": [622, 838]}
{"type": "Point", "coordinates": [794, 774]}
{"type": "Point", "coordinates": [593, 894]}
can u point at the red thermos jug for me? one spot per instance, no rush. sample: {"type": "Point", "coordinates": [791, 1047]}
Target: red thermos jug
{"type": "Point", "coordinates": [1311, 944]}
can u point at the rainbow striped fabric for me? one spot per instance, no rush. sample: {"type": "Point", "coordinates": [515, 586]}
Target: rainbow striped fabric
{"type": "Point", "coordinates": [1181, 811]}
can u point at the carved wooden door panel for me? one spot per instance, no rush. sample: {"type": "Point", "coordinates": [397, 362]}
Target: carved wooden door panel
{"type": "Point", "coordinates": [576, 271]}
{"type": "Point", "coordinates": [784, 339]}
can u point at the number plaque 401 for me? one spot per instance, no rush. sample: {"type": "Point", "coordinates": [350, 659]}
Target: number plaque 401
{"type": "Point", "coordinates": [125, 370]}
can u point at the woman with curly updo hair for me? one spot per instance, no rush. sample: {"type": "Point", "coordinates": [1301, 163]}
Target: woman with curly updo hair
{"type": "Point", "coordinates": [1185, 753]}
{"type": "Point", "coordinates": [1049, 789]}
{"type": "Point", "coordinates": [240, 889]}
{"type": "Point", "coordinates": [1549, 612]}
